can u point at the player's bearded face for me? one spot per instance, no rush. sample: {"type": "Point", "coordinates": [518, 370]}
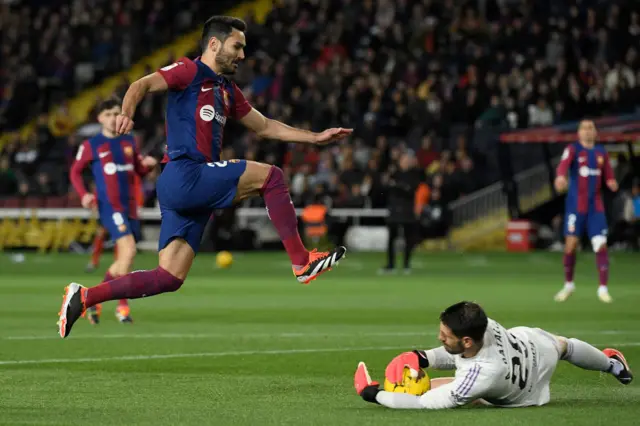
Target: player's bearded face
{"type": "Point", "coordinates": [451, 343]}
{"type": "Point", "coordinates": [229, 54]}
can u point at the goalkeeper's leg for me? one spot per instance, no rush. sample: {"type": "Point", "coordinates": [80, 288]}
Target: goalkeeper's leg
{"type": "Point", "coordinates": [583, 355]}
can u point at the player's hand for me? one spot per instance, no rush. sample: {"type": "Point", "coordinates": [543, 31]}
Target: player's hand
{"type": "Point", "coordinates": [124, 124]}
{"type": "Point", "coordinates": [362, 380]}
{"type": "Point", "coordinates": [88, 201]}
{"type": "Point", "coordinates": [332, 135]}
{"type": "Point", "coordinates": [561, 183]}
{"type": "Point", "coordinates": [149, 161]}
{"type": "Point", "coordinates": [612, 185]}
{"type": "Point", "coordinates": [396, 367]}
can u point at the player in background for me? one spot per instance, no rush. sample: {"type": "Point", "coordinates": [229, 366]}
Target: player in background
{"type": "Point", "coordinates": [114, 163]}
{"type": "Point", "coordinates": [583, 168]}
{"type": "Point", "coordinates": [100, 238]}
{"type": "Point", "coordinates": [494, 365]}
{"type": "Point", "coordinates": [194, 182]}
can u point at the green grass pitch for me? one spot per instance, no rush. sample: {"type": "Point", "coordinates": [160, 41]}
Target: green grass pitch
{"type": "Point", "coordinates": [251, 346]}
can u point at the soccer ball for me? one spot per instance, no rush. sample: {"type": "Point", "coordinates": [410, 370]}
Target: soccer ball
{"type": "Point", "coordinates": [224, 259]}
{"type": "Point", "coordinates": [411, 385]}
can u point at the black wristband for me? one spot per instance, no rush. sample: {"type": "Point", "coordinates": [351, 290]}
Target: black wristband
{"type": "Point", "coordinates": [423, 361]}
{"type": "Point", "coordinates": [369, 393]}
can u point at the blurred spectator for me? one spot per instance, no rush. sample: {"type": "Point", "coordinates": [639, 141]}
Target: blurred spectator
{"type": "Point", "coordinates": [78, 43]}
{"type": "Point", "coordinates": [8, 179]}
{"type": "Point", "coordinates": [402, 186]}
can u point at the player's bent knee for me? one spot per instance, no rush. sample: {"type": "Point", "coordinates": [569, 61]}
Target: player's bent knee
{"type": "Point", "coordinates": [598, 243]}
{"type": "Point", "coordinates": [570, 244]}
{"type": "Point", "coordinates": [176, 258]}
{"type": "Point", "coordinates": [255, 178]}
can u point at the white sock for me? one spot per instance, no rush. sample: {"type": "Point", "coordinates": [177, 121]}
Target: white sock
{"type": "Point", "coordinates": [569, 286]}
{"type": "Point", "coordinates": [585, 356]}
{"type": "Point", "coordinates": [603, 289]}
{"type": "Point", "coordinates": [616, 367]}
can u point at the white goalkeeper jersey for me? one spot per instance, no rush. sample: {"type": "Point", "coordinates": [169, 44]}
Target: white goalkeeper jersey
{"type": "Point", "coordinates": [513, 369]}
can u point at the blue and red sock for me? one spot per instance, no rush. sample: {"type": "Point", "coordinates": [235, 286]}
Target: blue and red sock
{"type": "Point", "coordinates": [602, 262]}
{"type": "Point", "coordinates": [134, 285]}
{"type": "Point", "coordinates": [569, 262]}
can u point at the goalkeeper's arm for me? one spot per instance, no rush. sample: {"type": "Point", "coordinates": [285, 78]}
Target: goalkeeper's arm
{"type": "Point", "coordinates": [436, 399]}
{"type": "Point", "coordinates": [437, 358]}
{"type": "Point", "coordinates": [467, 386]}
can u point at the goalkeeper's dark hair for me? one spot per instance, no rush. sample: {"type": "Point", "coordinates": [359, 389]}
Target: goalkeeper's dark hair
{"type": "Point", "coordinates": [466, 319]}
{"type": "Point", "coordinates": [108, 103]}
{"type": "Point", "coordinates": [221, 28]}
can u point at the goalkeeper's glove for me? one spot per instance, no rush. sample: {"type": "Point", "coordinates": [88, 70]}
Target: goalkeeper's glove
{"type": "Point", "coordinates": [366, 388]}
{"type": "Point", "coordinates": [415, 360]}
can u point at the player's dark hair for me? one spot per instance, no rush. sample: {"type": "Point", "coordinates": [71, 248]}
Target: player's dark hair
{"type": "Point", "coordinates": [220, 27]}
{"type": "Point", "coordinates": [465, 319]}
{"type": "Point", "coordinates": [108, 104]}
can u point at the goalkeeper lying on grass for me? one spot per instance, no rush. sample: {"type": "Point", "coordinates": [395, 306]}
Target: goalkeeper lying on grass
{"type": "Point", "coordinates": [494, 365]}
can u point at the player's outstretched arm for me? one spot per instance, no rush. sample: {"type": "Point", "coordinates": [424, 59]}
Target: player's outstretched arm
{"type": "Point", "coordinates": [273, 129]}
{"type": "Point", "coordinates": [148, 84]}
{"type": "Point", "coordinates": [468, 386]}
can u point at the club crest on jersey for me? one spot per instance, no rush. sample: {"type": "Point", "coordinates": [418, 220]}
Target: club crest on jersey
{"type": "Point", "coordinates": [208, 113]}
{"type": "Point", "coordinates": [128, 151]}
{"type": "Point", "coordinates": [122, 228]}
{"type": "Point", "coordinates": [600, 160]}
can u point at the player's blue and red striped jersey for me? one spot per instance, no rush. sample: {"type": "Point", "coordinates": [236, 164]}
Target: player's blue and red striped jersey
{"type": "Point", "coordinates": [199, 102]}
{"type": "Point", "coordinates": [114, 163]}
{"type": "Point", "coordinates": [586, 169]}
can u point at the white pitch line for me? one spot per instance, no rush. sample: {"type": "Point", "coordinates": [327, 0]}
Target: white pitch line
{"type": "Point", "coordinates": [194, 355]}
{"type": "Point", "coordinates": [292, 335]}
{"type": "Point", "coordinates": [220, 335]}
{"type": "Point", "coordinates": [217, 354]}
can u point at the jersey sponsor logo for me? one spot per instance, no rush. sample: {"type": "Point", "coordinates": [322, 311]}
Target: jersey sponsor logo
{"type": "Point", "coordinates": [112, 168]}
{"type": "Point", "coordinates": [208, 113]}
{"type": "Point", "coordinates": [586, 171]}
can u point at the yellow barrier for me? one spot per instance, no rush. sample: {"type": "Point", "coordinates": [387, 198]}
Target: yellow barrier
{"type": "Point", "coordinates": [80, 106]}
{"type": "Point", "coordinates": [45, 234]}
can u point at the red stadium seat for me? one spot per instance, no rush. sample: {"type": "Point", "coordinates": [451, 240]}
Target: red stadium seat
{"type": "Point", "coordinates": [55, 202]}
{"type": "Point", "coordinates": [12, 203]}
{"type": "Point", "coordinates": [33, 202]}
{"type": "Point", "coordinates": [73, 201]}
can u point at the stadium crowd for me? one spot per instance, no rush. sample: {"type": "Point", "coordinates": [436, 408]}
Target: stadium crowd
{"type": "Point", "coordinates": [408, 75]}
